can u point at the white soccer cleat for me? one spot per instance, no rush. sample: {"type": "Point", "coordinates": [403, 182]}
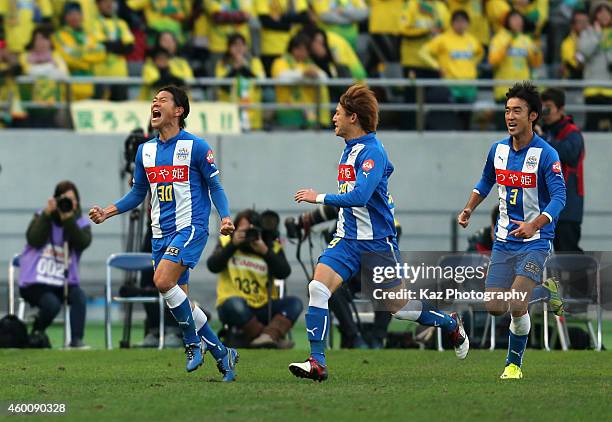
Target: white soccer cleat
{"type": "Point", "coordinates": [459, 338]}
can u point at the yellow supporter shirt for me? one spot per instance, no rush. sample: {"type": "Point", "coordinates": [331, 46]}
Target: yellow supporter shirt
{"type": "Point", "coordinates": [385, 16]}
{"type": "Point", "coordinates": [81, 51]}
{"type": "Point", "coordinates": [418, 20]}
{"type": "Point", "coordinates": [164, 15]}
{"type": "Point", "coordinates": [348, 31]}
{"type": "Point", "coordinates": [273, 42]}
{"type": "Point", "coordinates": [218, 32]}
{"type": "Point", "coordinates": [246, 276]}
{"type": "Point", "coordinates": [19, 20]}
{"type": "Point", "coordinates": [243, 91]}
{"type": "Point", "coordinates": [285, 67]}
{"type": "Point", "coordinates": [179, 68]}
{"type": "Point", "coordinates": [344, 54]}
{"type": "Point", "coordinates": [496, 11]}
{"type": "Point", "coordinates": [455, 55]}
{"type": "Point", "coordinates": [112, 29]}
{"type": "Point", "coordinates": [44, 90]}
{"type": "Point", "coordinates": [535, 11]}
{"type": "Point", "coordinates": [512, 58]}
{"type": "Point", "coordinates": [479, 24]}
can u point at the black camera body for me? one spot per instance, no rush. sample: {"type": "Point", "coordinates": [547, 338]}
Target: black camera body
{"type": "Point", "coordinates": [252, 234]}
{"type": "Point", "coordinates": [64, 204]}
{"type": "Point", "coordinates": [320, 214]}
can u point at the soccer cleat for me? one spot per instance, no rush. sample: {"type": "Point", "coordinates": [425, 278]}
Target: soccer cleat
{"type": "Point", "coordinates": [227, 364]}
{"type": "Point", "coordinates": [310, 369]}
{"type": "Point", "coordinates": [512, 372]}
{"type": "Point", "coordinates": [194, 356]}
{"type": "Point", "coordinates": [459, 338]}
{"type": "Point", "coordinates": [555, 301]}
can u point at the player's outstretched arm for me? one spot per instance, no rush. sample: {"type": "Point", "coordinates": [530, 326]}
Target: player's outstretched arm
{"type": "Point", "coordinates": [98, 215]}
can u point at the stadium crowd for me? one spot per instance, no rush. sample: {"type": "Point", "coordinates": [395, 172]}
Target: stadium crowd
{"type": "Point", "coordinates": [175, 41]}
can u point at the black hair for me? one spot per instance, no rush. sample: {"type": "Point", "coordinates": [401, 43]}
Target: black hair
{"type": "Point", "coordinates": [251, 216]}
{"type": "Point", "coordinates": [180, 98]}
{"type": "Point", "coordinates": [460, 14]}
{"type": "Point", "coordinates": [509, 15]}
{"type": "Point", "coordinates": [300, 39]}
{"type": "Point", "coordinates": [526, 91]}
{"type": "Point", "coordinates": [577, 12]}
{"type": "Point", "coordinates": [38, 30]}
{"type": "Point", "coordinates": [556, 95]}
{"type": "Point", "coordinates": [231, 39]}
{"type": "Point", "coordinates": [63, 187]}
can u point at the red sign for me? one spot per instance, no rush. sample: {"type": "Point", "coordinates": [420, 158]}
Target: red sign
{"type": "Point", "coordinates": [161, 174]}
{"type": "Point", "coordinates": [556, 167]}
{"type": "Point", "coordinates": [210, 157]}
{"type": "Point", "coordinates": [346, 173]}
{"type": "Point", "coordinates": [367, 165]}
{"type": "Point", "coordinates": [515, 179]}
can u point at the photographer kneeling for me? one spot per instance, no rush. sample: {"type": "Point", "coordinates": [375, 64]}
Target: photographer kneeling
{"type": "Point", "coordinates": [41, 278]}
{"type": "Point", "coordinates": [247, 262]}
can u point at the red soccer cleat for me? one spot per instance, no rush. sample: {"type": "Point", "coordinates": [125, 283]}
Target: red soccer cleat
{"type": "Point", "coordinates": [310, 369]}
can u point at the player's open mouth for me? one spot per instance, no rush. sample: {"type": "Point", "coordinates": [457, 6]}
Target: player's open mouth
{"type": "Point", "coordinates": [511, 125]}
{"type": "Point", "coordinates": [155, 114]}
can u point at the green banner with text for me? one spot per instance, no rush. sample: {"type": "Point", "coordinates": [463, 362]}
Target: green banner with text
{"type": "Point", "coordinates": [110, 117]}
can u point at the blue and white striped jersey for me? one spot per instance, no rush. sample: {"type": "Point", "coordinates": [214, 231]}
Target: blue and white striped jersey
{"type": "Point", "coordinates": [529, 183]}
{"type": "Point", "coordinates": [365, 206]}
{"type": "Point", "coordinates": [180, 173]}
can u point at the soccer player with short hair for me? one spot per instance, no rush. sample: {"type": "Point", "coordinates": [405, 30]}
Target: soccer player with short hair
{"type": "Point", "coordinates": [531, 194]}
{"type": "Point", "coordinates": [365, 224]}
{"type": "Point", "coordinates": [179, 170]}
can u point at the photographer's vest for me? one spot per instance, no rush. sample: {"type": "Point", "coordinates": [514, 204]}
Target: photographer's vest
{"type": "Point", "coordinates": [245, 276]}
{"type": "Point", "coordinates": [45, 265]}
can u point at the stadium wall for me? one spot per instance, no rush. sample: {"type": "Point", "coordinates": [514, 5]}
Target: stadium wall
{"type": "Point", "coordinates": [434, 173]}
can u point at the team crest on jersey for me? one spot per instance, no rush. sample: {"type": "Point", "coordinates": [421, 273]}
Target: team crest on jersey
{"type": "Point", "coordinates": [367, 165]}
{"type": "Point", "coordinates": [532, 162]}
{"type": "Point", "coordinates": [556, 167]}
{"type": "Point", "coordinates": [172, 251]}
{"type": "Point", "coordinates": [210, 157]}
{"type": "Point", "coordinates": [182, 154]}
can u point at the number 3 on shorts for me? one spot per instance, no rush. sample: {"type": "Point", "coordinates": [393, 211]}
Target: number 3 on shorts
{"type": "Point", "coordinates": [334, 242]}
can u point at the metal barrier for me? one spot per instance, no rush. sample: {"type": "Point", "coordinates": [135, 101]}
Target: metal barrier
{"type": "Point", "coordinates": [420, 106]}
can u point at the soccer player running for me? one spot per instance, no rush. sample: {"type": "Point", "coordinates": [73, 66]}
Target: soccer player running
{"type": "Point", "coordinates": [179, 170]}
{"type": "Point", "coordinates": [531, 194]}
{"type": "Point", "coordinates": [365, 224]}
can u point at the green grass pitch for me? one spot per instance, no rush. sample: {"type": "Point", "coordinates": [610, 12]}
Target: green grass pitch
{"type": "Point", "coordinates": [139, 384]}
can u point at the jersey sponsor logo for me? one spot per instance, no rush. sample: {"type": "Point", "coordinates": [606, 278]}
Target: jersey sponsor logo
{"type": "Point", "coordinates": [532, 162]}
{"type": "Point", "coordinates": [249, 264]}
{"type": "Point", "coordinates": [367, 165]}
{"type": "Point", "coordinates": [556, 167]}
{"type": "Point", "coordinates": [182, 154]}
{"type": "Point", "coordinates": [210, 157]}
{"type": "Point", "coordinates": [346, 173]}
{"type": "Point", "coordinates": [532, 267]}
{"type": "Point", "coordinates": [515, 179]}
{"type": "Point", "coordinates": [161, 174]}
{"type": "Point", "coordinates": [172, 251]}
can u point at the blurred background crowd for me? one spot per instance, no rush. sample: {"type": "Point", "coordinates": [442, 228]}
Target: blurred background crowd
{"type": "Point", "coordinates": [176, 41]}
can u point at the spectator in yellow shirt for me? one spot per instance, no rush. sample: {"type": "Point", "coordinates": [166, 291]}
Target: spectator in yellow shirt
{"type": "Point", "coordinates": [42, 63]}
{"type": "Point", "coordinates": [572, 61]}
{"type": "Point", "coordinates": [19, 18]}
{"type": "Point", "coordinates": [384, 30]}
{"type": "Point", "coordinates": [279, 19]}
{"type": "Point", "coordinates": [165, 15]}
{"type": "Point", "coordinates": [226, 17]}
{"type": "Point", "coordinates": [341, 17]}
{"type": "Point", "coordinates": [239, 64]}
{"type": "Point", "coordinates": [164, 67]}
{"type": "Point", "coordinates": [513, 55]}
{"type": "Point", "coordinates": [118, 40]}
{"type": "Point", "coordinates": [79, 48]}
{"type": "Point", "coordinates": [455, 54]}
{"type": "Point", "coordinates": [535, 13]}
{"type": "Point", "coordinates": [291, 68]}
{"type": "Point", "coordinates": [421, 21]}
{"type": "Point", "coordinates": [479, 23]}
{"type": "Point", "coordinates": [88, 10]}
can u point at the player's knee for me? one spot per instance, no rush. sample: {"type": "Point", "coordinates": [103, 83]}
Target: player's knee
{"type": "Point", "coordinates": [162, 282]}
{"type": "Point", "coordinates": [518, 307]}
{"type": "Point", "coordinates": [496, 307]}
{"type": "Point", "coordinates": [319, 294]}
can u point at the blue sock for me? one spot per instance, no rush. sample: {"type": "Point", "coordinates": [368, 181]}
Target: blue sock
{"type": "Point", "coordinates": [539, 294]}
{"type": "Point", "coordinates": [184, 317]}
{"type": "Point", "coordinates": [217, 349]}
{"type": "Point", "coordinates": [435, 318]}
{"type": "Point", "coordinates": [516, 348]}
{"type": "Point", "coordinates": [317, 323]}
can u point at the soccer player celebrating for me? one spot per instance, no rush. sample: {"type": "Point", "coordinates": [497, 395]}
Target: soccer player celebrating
{"type": "Point", "coordinates": [179, 170]}
{"type": "Point", "coordinates": [365, 224]}
{"type": "Point", "coordinates": [531, 194]}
